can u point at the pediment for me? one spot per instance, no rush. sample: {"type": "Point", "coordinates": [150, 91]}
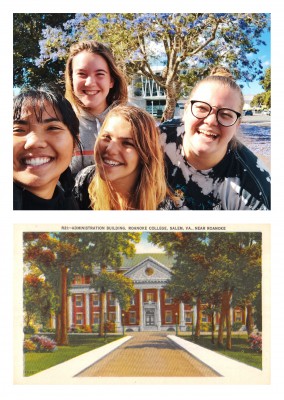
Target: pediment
{"type": "Point", "coordinates": [149, 270]}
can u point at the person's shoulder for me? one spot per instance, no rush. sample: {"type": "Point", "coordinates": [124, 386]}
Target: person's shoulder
{"type": "Point", "coordinates": [85, 175]}
{"type": "Point", "coordinates": [251, 161]}
{"type": "Point", "coordinates": [17, 197]}
{"type": "Point", "coordinates": [172, 130]}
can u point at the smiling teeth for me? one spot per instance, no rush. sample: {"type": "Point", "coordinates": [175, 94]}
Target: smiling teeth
{"type": "Point", "coordinates": [37, 161]}
{"type": "Point", "coordinates": [88, 92]}
{"type": "Point", "coordinates": [208, 133]}
{"type": "Point", "coordinates": [112, 163]}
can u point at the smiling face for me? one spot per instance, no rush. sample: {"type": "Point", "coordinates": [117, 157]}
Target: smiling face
{"type": "Point", "coordinates": [206, 141]}
{"type": "Point", "coordinates": [118, 159]}
{"type": "Point", "coordinates": [91, 81]}
{"type": "Point", "coordinates": [42, 150]}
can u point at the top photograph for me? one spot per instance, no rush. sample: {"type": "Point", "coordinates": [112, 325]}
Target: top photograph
{"type": "Point", "coordinates": [142, 111]}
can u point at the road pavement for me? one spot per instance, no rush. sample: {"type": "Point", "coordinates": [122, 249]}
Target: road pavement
{"type": "Point", "coordinates": [149, 354]}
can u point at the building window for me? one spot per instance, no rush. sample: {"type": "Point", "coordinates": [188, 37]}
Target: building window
{"type": "Point", "coordinates": [168, 299]}
{"type": "Point", "coordinates": [204, 317]}
{"type": "Point", "coordinates": [96, 316]}
{"type": "Point", "coordinates": [169, 317]}
{"type": "Point", "coordinates": [79, 318]}
{"type": "Point", "coordinates": [132, 301]}
{"type": "Point", "coordinates": [188, 316]}
{"type": "Point", "coordinates": [111, 299]}
{"type": "Point", "coordinates": [150, 297]}
{"type": "Point", "coordinates": [238, 316]}
{"type": "Point", "coordinates": [132, 317]}
{"type": "Point", "coordinates": [111, 316]}
{"type": "Point", "coordinates": [79, 300]}
{"type": "Point", "coordinates": [78, 280]}
{"type": "Point", "coordinates": [96, 299]}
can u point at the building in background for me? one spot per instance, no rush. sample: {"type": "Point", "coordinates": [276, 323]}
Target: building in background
{"type": "Point", "coordinates": [151, 306]}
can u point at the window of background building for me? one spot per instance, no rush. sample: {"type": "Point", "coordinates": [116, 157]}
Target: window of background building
{"type": "Point", "coordinates": [111, 316]}
{"type": "Point", "coordinates": [132, 317]}
{"type": "Point", "coordinates": [150, 297]}
{"type": "Point", "coordinates": [204, 317]}
{"type": "Point", "coordinates": [238, 316]}
{"type": "Point", "coordinates": [96, 299]}
{"type": "Point", "coordinates": [111, 299]}
{"type": "Point", "coordinates": [168, 299]}
{"type": "Point", "coordinates": [188, 316]}
{"type": "Point", "coordinates": [79, 318]}
{"type": "Point", "coordinates": [79, 300]}
{"type": "Point", "coordinates": [169, 317]}
{"type": "Point", "coordinates": [96, 316]}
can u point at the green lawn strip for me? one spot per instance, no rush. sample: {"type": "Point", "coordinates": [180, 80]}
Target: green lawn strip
{"type": "Point", "coordinates": [37, 362]}
{"type": "Point", "coordinates": [240, 350]}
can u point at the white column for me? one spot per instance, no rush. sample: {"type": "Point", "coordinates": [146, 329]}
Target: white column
{"type": "Point", "coordinates": [194, 314]}
{"type": "Point", "coordinates": [87, 308]}
{"type": "Point", "coordinates": [70, 310]}
{"type": "Point", "coordinates": [232, 314]}
{"type": "Point", "coordinates": [141, 309]}
{"type": "Point", "coordinates": [159, 309]}
{"type": "Point", "coordinates": [117, 314]}
{"type": "Point", "coordinates": [181, 316]}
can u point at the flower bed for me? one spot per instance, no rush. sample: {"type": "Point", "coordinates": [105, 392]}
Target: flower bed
{"type": "Point", "coordinates": [39, 344]}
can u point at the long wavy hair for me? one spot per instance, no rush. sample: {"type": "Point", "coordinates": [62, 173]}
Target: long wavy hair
{"type": "Point", "coordinates": [151, 186]}
{"type": "Point", "coordinates": [118, 93]}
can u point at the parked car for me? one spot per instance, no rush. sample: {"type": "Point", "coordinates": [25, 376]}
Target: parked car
{"type": "Point", "coordinates": [248, 112]}
{"type": "Point", "coordinates": [266, 112]}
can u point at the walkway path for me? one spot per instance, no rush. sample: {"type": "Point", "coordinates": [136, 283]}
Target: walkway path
{"type": "Point", "coordinates": [149, 354]}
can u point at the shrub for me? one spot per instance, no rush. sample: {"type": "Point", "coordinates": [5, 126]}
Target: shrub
{"type": "Point", "coordinates": [29, 329]}
{"type": "Point", "coordinates": [87, 329]}
{"type": "Point", "coordinates": [29, 346]}
{"type": "Point", "coordinates": [255, 342]}
{"type": "Point", "coordinates": [109, 326]}
{"type": "Point", "coordinates": [236, 326]}
{"type": "Point", "coordinates": [95, 328]}
{"type": "Point", "coordinates": [205, 326]}
{"type": "Point", "coordinates": [40, 344]}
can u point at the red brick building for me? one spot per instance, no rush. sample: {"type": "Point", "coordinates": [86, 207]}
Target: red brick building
{"type": "Point", "coordinates": [151, 307]}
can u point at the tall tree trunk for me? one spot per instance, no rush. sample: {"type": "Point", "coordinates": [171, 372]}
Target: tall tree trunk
{"type": "Point", "coordinates": [63, 340]}
{"type": "Point", "coordinates": [198, 319]}
{"type": "Point", "coordinates": [225, 309]}
{"type": "Point", "coordinates": [249, 319]}
{"type": "Point", "coordinates": [229, 328]}
{"type": "Point", "coordinates": [171, 101]}
{"type": "Point", "coordinates": [212, 327]}
{"type": "Point", "coordinates": [58, 327]}
{"type": "Point", "coordinates": [102, 312]}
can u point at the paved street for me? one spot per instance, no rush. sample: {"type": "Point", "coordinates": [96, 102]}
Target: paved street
{"type": "Point", "coordinates": [148, 354]}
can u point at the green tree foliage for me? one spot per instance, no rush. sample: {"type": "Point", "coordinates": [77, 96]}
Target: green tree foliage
{"type": "Point", "coordinates": [121, 286]}
{"type": "Point", "coordinates": [38, 299]}
{"type": "Point", "coordinates": [187, 45]}
{"type": "Point", "coordinates": [27, 33]}
{"type": "Point", "coordinates": [264, 99]}
{"type": "Point", "coordinates": [218, 269]}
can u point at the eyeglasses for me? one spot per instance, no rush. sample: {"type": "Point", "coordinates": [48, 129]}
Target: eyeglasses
{"type": "Point", "coordinates": [225, 116]}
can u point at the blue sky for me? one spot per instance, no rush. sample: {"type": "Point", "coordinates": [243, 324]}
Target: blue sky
{"type": "Point", "coordinates": [265, 56]}
{"type": "Point", "coordinates": [145, 247]}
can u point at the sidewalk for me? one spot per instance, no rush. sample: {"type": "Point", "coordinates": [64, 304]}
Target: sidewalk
{"type": "Point", "coordinates": [160, 357]}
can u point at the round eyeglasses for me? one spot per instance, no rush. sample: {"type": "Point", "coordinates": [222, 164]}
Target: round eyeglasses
{"type": "Point", "coordinates": [225, 116]}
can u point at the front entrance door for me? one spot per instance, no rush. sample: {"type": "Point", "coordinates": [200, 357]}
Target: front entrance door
{"type": "Point", "coordinates": [150, 318]}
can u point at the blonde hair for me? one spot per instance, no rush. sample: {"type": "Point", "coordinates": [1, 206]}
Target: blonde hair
{"type": "Point", "coordinates": [221, 75]}
{"type": "Point", "coordinates": [151, 187]}
{"type": "Point", "coordinates": [118, 93]}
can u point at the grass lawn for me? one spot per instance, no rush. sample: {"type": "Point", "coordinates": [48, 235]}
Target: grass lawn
{"type": "Point", "coordinates": [36, 362]}
{"type": "Point", "coordinates": [240, 349]}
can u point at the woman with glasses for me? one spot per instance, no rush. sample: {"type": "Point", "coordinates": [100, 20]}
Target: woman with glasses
{"type": "Point", "coordinates": [206, 164]}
